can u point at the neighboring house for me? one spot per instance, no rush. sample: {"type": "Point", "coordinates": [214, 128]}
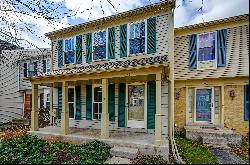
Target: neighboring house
{"type": "Point", "coordinates": [212, 74]}
{"type": "Point", "coordinates": [15, 93]}
{"type": "Point", "coordinates": [113, 73]}
{"type": "Point", "coordinates": [4, 45]}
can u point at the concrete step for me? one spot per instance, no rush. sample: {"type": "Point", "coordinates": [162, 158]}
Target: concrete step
{"type": "Point", "coordinates": [219, 147]}
{"type": "Point", "coordinates": [124, 152]}
{"type": "Point", "coordinates": [118, 160]}
{"type": "Point", "coordinates": [214, 140]}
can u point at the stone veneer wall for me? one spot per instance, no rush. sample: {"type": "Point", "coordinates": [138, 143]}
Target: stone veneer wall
{"type": "Point", "coordinates": [180, 108]}
{"type": "Point", "coordinates": [234, 110]}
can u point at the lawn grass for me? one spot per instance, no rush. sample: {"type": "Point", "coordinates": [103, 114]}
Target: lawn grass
{"type": "Point", "coordinates": [194, 152]}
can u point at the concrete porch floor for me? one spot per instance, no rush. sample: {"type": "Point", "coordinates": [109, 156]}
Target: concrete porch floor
{"type": "Point", "coordinates": [143, 141]}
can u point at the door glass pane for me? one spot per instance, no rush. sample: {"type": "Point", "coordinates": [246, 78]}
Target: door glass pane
{"type": "Point", "coordinates": [203, 104]}
{"type": "Point", "coordinates": [136, 102]}
{"type": "Point", "coordinates": [71, 110]}
{"type": "Point", "coordinates": [98, 94]}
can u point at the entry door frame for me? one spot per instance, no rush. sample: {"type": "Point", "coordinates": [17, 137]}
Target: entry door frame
{"type": "Point", "coordinates": [131, 123]}
{"type": "Point", "coordinates": [211, 106]}
{"type": "Point", "coordinates": [93, 100]}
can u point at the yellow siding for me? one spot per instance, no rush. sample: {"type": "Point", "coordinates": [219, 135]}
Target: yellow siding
{"type": "Point", "coordinates": [180, 108]}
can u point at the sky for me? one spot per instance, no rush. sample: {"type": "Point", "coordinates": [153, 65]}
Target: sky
{"type": "Point", "coordinates": [26, 21]}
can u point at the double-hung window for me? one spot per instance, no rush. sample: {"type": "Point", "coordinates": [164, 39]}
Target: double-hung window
{"type": "Point", "coordinates": [137, 38]}
{"type": "Point", "coordinates": [207, 51]}
{"type": "Point", "coordinates": [48, 65]}
{"type": "Point", "coordinates": [48, 101]}
{"type": "Point", "coordinates": [100, 45]}
{"type": "Point", "coordinates": [69, 51]}
{"type": "Point", "coordinates": [31, 69]}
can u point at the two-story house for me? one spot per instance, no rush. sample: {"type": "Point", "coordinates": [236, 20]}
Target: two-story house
{"type": "Point", "coordinates": [114, 73]}
{"type": "Point", "coordinates": [15, 92]}
{"type": "Point", "coordinates": [212, 75]}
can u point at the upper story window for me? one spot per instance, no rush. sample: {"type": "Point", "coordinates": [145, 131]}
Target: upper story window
{"type": "Point", "coordinates": [208, 50]}
{"type": "Point", "coordinates": [99, 45]}
{"type": "Point", "coordinates": [137, 38]}
{"type": "Point", "coordinates": [31, 69]}
{"type": "Point", "coordinates": [69, 51]}
{"type": "Point", "coordinates": [46, 66]}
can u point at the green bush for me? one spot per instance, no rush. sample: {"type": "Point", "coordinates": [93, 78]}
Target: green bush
{"type": "Point", "coordinates": [32, 150]}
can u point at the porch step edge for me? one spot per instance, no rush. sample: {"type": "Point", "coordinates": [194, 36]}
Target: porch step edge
{"type": "Point", "coordinates": [124, 152]}
{"type": "Point", "coordinates": [214, 140]}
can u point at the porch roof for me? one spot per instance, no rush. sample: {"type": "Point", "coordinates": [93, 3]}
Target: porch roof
{"type": "Point", "coordinates": [131, 66]}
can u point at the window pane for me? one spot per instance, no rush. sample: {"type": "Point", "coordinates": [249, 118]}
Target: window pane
{"type": "Point", "coordinates": [100, 45]}
{"type": "Point", "coordinates": [206, 54]}
{"type": "Point", "coordinates": [71, 95]}
{"type": "Point", "coordinates": [97, 94]}
{"type": "Point", "coordinates": [137, 38]}
{"type": "Point", "coordinates": [206, 49]}
{"type": "Point", "coordinates": [100, 107]}
{"type": "Point", "coordinates": [71, 110]}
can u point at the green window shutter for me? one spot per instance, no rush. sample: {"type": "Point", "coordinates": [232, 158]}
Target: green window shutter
{"type": "Point", "coordinates": [78, 103]}
{"type": "Point", "coordinates": [60, 53]}
{"type": "Point", "coordinates": [221, 47]}
{"type": "Point", "coordinates": [151, 35]}
{"type": "Point", "coordinates": [25, 69]}
{"type": "Point", "coordinates": [111, 43]}
{"type": "Point", "coordinates": [121, 110]}
{"type": "Point", "coordinates": [59, 102]}
{"type": "Point", "coordinates": [111, 102]}
{"type": "Point", "coordinates": [89, 47]}
{"type": "Point", "coordinates": [89, 102]}
{"type": "Point", "coordinates": [192, 51]}
{"type": "Point", "coordinates": [151, 104]}
{"type": "Point", "coordinates": [123, 41]}
{"type": "Point", "coordinates": [79, 49]}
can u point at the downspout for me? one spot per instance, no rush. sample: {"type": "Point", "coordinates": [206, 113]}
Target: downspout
{"type": "Point", "coordinates": [171, 92]}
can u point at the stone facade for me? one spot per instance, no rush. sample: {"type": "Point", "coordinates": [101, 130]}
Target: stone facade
{"type": "Point", "coordinates": [180, 107]}
{"type": "Point", "coordinates": [234, 109]}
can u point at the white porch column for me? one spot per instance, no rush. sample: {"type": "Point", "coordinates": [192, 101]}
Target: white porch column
{"type": "Point", "coordinates": [34, 112]}
{"type": "Point", "coordinates": [158, 115]}
{"type": "Point", "coordinates": [65, 109]}
{"type": "Point", "coordinates": [105, 115]}
{"type": "Point", "coordinates": [51, 105]}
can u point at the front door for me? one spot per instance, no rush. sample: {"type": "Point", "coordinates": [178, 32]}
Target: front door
{"type": "Point", "coordinates": [136, 106]}
{"type": "Point", "coordinates": [204, 104]}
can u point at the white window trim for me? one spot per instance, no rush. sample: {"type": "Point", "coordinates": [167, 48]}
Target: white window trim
{"type": "Point", "coordinates": [48, 60]}
{"type": "Point", "coordinates": [74, 37]}
{"type": "Point", "coordinates": [93, 100]}
{"type": "Point", "coordinates": [212, 105]}
{"type": "Point", "coordinates": [33, 63]}
{"type": "Point", "coordinates": [215, 59]}
{"type": "Point", "coordinates": [128, 37]}
{"type": "Point", "coordinates": [73, 87]}
{"type": "Point", "coordinates": [93, 45]}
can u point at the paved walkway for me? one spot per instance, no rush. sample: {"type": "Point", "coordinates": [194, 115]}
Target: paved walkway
{"type": "Point", "coordinates": [226, 157]}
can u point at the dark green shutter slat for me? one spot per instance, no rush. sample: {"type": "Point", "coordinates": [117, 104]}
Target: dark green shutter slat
{"type": "Point", "coordinates": [193, 51]}
{"type": "Point", "coordinates": [221, 47]}
{"type": "Point", "coordinates": [121, 109]}
{"type": "Point", "coordinates": [59, 102]}
{"type": "Point", "coordinates": [35, 68]}
{"type": "Point", "coordinates": [111, 102]}
{"type": "Point", "coordinates": [25, 68]}
{"type": "Point", "coordinates": [44, 66]}
{"type": "Point", "coordinates": [123, 41]}
{"type": "Point", "coordinates": [151, 35]}
{"type": "Point", "coordinates": [151, 104]}
{"type": "Point", "coordinates": [79, 49]}
{"type": "Point", "coordinates": [111, 43]}
{"type": "Point", "coordinates": [60, 53]}
{"type": "Point", "coordinates": [89, 102]}
{"type": "Point", "coordinates": [78, 103]}
{"type": "Point", "coordinates": [88, 47]}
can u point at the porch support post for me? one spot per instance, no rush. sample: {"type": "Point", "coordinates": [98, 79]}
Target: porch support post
{"type": "Point", "coordinates": [51, 105]}
{"type": "Point", "coordinates": [158, 115]}
{"type": "Point", "coordinates": [34, 112]}
{"type": "Point", "coordinates": [65, 109]}
{"type": "Point", "coordinates": [105, 115]}
{"type": "Point", "coordinates": [222, 105]}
